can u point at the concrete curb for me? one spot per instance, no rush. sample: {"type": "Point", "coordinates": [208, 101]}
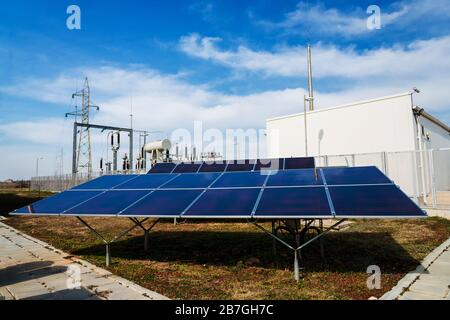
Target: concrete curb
{"type": "Point", "coordinates": [102, 272]}
{"type": "Point", "coordinates": [408, 280]}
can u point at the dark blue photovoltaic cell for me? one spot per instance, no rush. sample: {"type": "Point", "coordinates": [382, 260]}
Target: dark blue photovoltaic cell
{"type": "Point", "coordinates": [224, 203]}
{"type": "Point", "coordinates": [354, 175]}
{"type": "Point", "coordinates": [105, 182]}
{"type": "Point", "coordinates": [58, 203]}
{"type": "Point", "coordinates": [108, 203]}
{"type": "Point", "coordinates": [192, 180]}
{"type": "Point", "coordinates": [269, 164]}
{"type": "Point", "coordinates": [241, 165]}
{"type": "Point", "coordinates": [162, 167]}
{"type": "Point", "coordinates": [294, 202]}
{"type": "Point", "coordinates": [299, 163]}
{"type": "Point", "coordinates": [240, 179]}
{"type": "Point", "coordinates": [147, 181]}
{"type": "Point", "coordinates": [383, 201]}
{"type": "Point", "coordinates": [187, 167]}
{"type": "Point", "coordinates": [213, 167]}
{"type": "Point", "coordinates": [169, 203]}
{"type": "Point", "coordinates": [299, 177]}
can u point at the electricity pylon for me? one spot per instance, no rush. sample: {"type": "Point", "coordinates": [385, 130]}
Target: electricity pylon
{"type": "Point", "coordinates": [84, 155]}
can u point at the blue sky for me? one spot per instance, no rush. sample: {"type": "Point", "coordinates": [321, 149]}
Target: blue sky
{"type": "Point", "coordinates": [228, 63]}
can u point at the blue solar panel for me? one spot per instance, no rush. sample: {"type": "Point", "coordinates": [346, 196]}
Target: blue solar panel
{"type": "Point", "coordinates": [372, 201]}
{"type": "Point", "coordinates": [105, 182]}
{"type": "Point", "coordinates": [213, 167]}
{"type": "Point", "coordinates": [269, 164]}
{"type": "Point", "coordinates": [241, 165]}
{"type": "Point", "coordinates": [299, 163]}
{"type": "Point", "coordinates": [293, 193]}
{"type": "Point", "coordinates": [227, 203]}
{"type": "Point", "coordinates": [299, 177]}
{"type": "Point", "coordinates": [162, 167]}
{"type": "Point", "coordinates": [147, 181]}
{"type": "Point", "coordinates": [294, 202]}
{"type": "Point", "coordinates": [192, 180]}
{"type": "Point", "coordinates": [187, 167]}
{"type": "Point", "coordinates": [58, 203]}
{"type": "Point", "coordinates": [354, 175]}
{"type": "Point", "coordinates": [163, 203]}
{"type": "Point", "coordinates": [240, 179]}
{"type": "Point", "coordinates": [109, 203]}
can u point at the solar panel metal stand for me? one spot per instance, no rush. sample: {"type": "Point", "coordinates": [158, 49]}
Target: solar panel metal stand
{"type": "Point", "coordinates": [146, 230]}
{"type": "Point", "coordinates": [296, 249]}
{"type": "Point", "coordinates": [108, 243]}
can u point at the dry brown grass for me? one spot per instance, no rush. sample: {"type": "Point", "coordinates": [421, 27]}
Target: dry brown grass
{"type": "Point", "coordinates": [210, 260]}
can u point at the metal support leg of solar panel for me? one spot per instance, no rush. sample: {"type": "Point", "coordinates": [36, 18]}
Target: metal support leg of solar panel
{"type": "Point", "coordinates": [297, 249]}
{"type": "Point", "coordinates": [136, 222]}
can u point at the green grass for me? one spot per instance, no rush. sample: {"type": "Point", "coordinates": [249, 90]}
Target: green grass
{"type": "Point", "coordinates": [235, 261]}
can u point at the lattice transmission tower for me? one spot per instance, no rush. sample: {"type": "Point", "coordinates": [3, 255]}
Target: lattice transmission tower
{"type": "Point", "coordinates": [84, 154]}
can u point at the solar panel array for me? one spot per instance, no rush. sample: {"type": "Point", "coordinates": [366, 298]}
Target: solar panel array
{"type": "Point", "coordinates": [234, 165]}
{"type": "Point", "coordinates": [277, 194]}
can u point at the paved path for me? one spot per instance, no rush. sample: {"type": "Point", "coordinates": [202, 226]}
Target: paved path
{"type": "Point", "coordinates": [430, 281]}
{"type": "Point", "coordinates": [32, 269]}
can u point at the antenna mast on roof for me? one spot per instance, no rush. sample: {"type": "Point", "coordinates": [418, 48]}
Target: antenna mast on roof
{"type": "Point", "coordinates": [310, 85]}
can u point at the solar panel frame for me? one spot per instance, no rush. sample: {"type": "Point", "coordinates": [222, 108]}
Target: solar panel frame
{"type": "Point", "coordinates": [299, 163]}
{"type": "Point", "coordinates": [185, 167]}
{"type": "Point", "coordinates": [80, 210]}
{"type": "Point", "coordinates": [239, 179]}
{"type": "Point", "coordinates": [401, 197]}
{"type": "Point", "coordinates": [367, 175]}
{"type": "Point", "coordinates": [214, 185]}
{"type": "Point", "coordinates": [162, 167]}
{"type": "Point", "coordinates": [146, 182]}
{"type": "Point", "coordinates": [270, 196]}
{"type": "Point", "coordinates": [161, 193]}
{"type": "Point", "coordinates": [119, 180]}
{"type": "Point", "coordinates": [90, 194]}
{"type": "Point", "coordinates": [210, 197]}
{"type": "Point", "coordinates": [216, 166]}
{"type": "Point", "coordinates": [240, 165]}
{"type": "Point", "coordinates": [266, 164]}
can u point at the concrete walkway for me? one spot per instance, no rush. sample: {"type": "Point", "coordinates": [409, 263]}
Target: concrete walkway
{"type": "Point", "coordinates": [430, 281]}
{"type": "Point", "coordinates": [32, 269]}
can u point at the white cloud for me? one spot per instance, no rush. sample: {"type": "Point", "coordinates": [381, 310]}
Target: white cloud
{"type": "Point", "coordinates": [417, 59]}
{"type": "Point", "coordinates": [168, 101]}
{"type": "Point", "coordinates": [317, 19]}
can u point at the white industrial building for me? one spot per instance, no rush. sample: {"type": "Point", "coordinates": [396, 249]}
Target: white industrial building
{"type": "Point", "coordinates": [390, 132]}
